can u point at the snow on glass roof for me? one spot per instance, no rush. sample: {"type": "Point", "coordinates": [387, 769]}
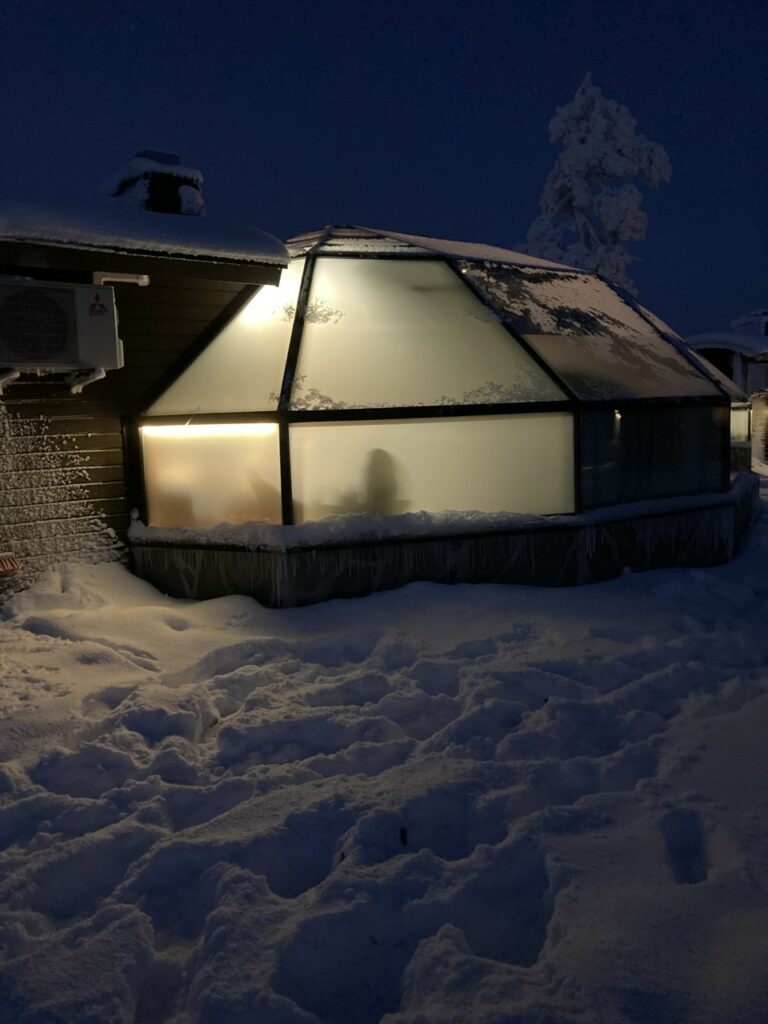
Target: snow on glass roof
{"type": "Point", "coordinates": [117, 228]}
{"type": "Point", "coordinates": [396, 320]}
{"type": "Point", "coordinates": [599, 343]}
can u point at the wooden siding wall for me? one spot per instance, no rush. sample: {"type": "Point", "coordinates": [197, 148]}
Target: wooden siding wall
{"type": "Point", "coordinates": [62, 472]}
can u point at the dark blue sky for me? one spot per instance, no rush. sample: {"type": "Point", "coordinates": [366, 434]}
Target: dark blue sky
{"type": "Point", "coordinates": [415, 115]}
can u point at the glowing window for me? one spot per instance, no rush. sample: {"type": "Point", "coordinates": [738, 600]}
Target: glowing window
{"type": "Point", "coordinates": [407, 333]}
{"type": "Point", "coordinates": [201, 475]}
{"type": "Point", "coordinates": [242, 369]}
{"type": "Point", "coordinates": [521, 463]}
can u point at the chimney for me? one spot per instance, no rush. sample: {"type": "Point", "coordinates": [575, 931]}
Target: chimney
{"type": "Point", "coordinates": [154, 180]}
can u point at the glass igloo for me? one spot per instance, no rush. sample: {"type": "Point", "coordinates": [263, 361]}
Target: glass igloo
{"type": "Point", "coordinates": [389, 373]}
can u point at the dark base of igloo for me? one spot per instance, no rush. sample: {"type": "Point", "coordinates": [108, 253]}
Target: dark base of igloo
{"type": "Point", "coordinates": [701, 530]}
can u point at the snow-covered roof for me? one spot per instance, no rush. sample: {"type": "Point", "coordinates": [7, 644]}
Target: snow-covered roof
{"type": "Point", "coordinates": [746, 344]}
{"type": "Point", "coordinates": [351, 240]}
{"type": "Point", "coordinates": [118, 229]}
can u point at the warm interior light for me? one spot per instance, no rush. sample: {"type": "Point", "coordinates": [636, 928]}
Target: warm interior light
{"type": "Point", "coordinates": [741, 423]}
{"type": "Point", "coordinates": [190, 430]}
{"type": "Point", "coordinates": [274, 301]}
{"type": "Point", "coordinates": [262, 306]}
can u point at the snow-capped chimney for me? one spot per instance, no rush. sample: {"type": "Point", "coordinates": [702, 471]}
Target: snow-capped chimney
{"type": "Point", "coordinates": [156, 181]}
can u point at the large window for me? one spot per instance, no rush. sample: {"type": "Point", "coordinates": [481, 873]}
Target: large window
{"type": "Point", "coordinates": [521, 463]}
{"type": "Point", "coordinates": [201, 475]}
{"type": "Point", "coordinates": [407, 333]}
{"type": "Point", "coordinates": [651, 452]}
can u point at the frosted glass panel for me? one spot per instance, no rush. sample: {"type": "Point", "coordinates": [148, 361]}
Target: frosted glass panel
{"type": "Point", "coordinates": [614, 367]}
{"type": "Point", "coordinates": [242, 369]}
{"type": "Point", "coordinates": [406, 333]}
{"type": "Point", "coordinates": [202, 475]}
{"type": "Point", "coordinates": [521, 463]}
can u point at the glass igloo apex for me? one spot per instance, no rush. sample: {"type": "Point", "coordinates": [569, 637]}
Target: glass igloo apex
{"type": "Point", "coordinates": [392, 373]}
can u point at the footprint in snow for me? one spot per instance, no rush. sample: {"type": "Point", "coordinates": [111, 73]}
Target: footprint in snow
{"type": "Point", "coordinates": [177, 624]}
{"type": "Point", "coordinates": [686, 846]}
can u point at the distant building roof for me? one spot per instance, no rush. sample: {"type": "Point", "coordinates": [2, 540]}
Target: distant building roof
{"type": "Point", "coordinates": [754, 322]}
{"type": "Point", "coordinates": [753, 345]}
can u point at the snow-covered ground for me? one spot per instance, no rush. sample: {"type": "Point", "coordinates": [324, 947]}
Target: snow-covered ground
{"type": "Point", "coordinates": [439, 805]}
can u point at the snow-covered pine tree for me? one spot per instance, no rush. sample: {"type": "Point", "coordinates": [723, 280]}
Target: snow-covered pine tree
{"type": "Point", "coordinates": [591, 206]}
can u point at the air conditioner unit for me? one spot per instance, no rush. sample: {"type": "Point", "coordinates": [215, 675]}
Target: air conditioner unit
{"type": "Point", "coordinates": [47, 326]}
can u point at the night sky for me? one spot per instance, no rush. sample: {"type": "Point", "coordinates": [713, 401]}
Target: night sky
{"type": "Point", "coordinates": [415, 115]}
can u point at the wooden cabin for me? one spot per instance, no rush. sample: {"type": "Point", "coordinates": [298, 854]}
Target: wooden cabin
{"type": "Point", "coordinates": [67, 476]}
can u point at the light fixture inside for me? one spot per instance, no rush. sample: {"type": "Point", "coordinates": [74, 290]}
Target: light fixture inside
{"type": "Point", "coordinates": [190, 430]}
